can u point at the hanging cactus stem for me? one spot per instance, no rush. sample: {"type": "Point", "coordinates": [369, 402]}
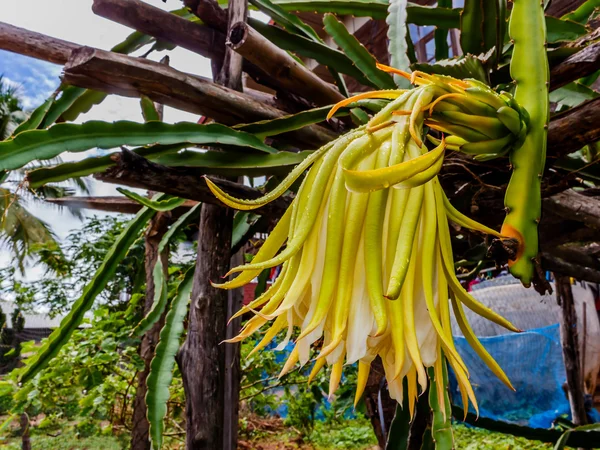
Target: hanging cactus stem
{"type": "Point", "coordinates": [529, 70]}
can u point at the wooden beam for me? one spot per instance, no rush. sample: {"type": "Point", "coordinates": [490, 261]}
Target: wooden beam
{"type": "Point", "coordinates": [108, 204]}
{"type": "Point", "coordinates": [581, 64]}
{"type": "Point", "coordinates": [135, 171]}
{"type": "Point", "coordinates": [115, 204]}
{"type": "Point", "coordinates": [571, 205]}
{"type": "Point", "coordinates": [132, 77]}
{"type": "Point", "coordinates": [277, 64]}
{"type": "Point", "coordinates": [163, 26]}
{"type": "Point", "coordinates": [285, 70]}
{"type": "Point", "coordinates": [557, 264]}
{"type": "Point", "coordinates": [35, 45]}
{"type": "Point", "coordinates": [571, 130]}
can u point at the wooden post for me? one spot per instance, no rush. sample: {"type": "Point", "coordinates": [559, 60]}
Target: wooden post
{"type": "Point", "coordinates": [564, 296]}
{"type": "Point", "coordinates": [230, 76]}
{"type": "Point", "coordinates": [25, 439]}
{"type": "Point", "coordinates": [201, 359]}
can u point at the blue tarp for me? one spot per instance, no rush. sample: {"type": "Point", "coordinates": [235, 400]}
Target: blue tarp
{"type": "Point", "coordinates": [533, 362]}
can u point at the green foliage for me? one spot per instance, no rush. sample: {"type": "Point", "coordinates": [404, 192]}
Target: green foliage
{"type": "Point", "coordinates": [357, 53]}
{"type": "Point", "coordinates": [397, 36]}
{"type": "Point", "coordinates": [46, 144]}
{"type": "Point", "coordinates": [66, 440]}
{"type": "Point", "coordinates": [161, 368]}
{"type": "Point", "coordinates": [89, 244]}
{"type": "Point", "coordinates": [468, 438]}
{"type": "Point", "coordinates": [96, 285]}
{"type": "Point", "coordinates": [349, 434]}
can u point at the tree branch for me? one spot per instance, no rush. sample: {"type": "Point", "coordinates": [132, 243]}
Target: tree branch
{"type": "Point", "coordinates": [135, 171]}
{"type": "Point", "coordinates": [581, 64]}
{"type": "Point", "coordinates": [132, 77]}
{"type": "Point", "coordinates": [282, 70]}
{"type": "Point", "coordinates": [571, 130]}
{"type": "Point", "coordinates": [571, 205]}
{"type": "Point", "coordinates": [35, 45]}
{"type": "Point", "coordinates": [285, 70]}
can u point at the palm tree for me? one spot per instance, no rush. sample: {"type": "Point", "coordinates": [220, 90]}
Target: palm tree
{"type": "Point", "coordinates": [20, 230]}
{"type": "Point", "coordinates": [11, 110]}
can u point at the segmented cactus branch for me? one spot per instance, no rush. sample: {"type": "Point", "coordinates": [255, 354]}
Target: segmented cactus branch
{"type": "Point", "coordinates": [529, 70]}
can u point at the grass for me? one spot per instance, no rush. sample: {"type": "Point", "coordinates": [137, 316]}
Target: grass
{"type": "Point", "coordinates": [272, 434]}
{"type": "Point", "coordinates": [468, 438]}
{"type": "Point", "coordinates": [67, 440]}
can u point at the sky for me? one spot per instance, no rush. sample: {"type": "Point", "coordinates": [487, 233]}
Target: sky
{"type": "Point", "coordinates": [73, 20]}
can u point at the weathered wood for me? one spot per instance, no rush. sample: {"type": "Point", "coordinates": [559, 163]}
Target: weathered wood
{"type": "Point", "coordinates": [36, 45]}
{"type": "Point", "coordinates": [231, 71]}
{"type": "Point", "coordinates": [560, 265]}
{"type": "Point", "coordinates": [140, 432]}
{"type": "Point", "coordinates": [574, 206]}
{"type": "Point", "coordinates": [569, 338]}
{"type": "Point", "coordinates": [138, 15]}
{"type": "Point", "coordinates": [230, 76]}
{"type": "Point", "coordinates": [162, 25]}
{"type": "Point", "coordinates": [285, 70]}
{"type": "Point", "coordinates": [115, 204]}
{"type": "Point", "coordinates": [581, 64]}
{"type": "Point", "coordinates": [571, 130]}
{"type": "Point", "coordinates": [132, 77]}
{"type": "Point", "coordinates": [25, 437]}
{"type": "Point", "coordinates": [562, 7]}
{"type": "Point", "coordinates": [200, 358]}
{"type": "Point", "coordinates": [233, 370]}
{"type": "Point", "coordinates": [135, 171]}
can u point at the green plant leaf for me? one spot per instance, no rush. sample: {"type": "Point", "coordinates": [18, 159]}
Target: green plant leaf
{"type": "Point", "coordinates": [218, 163]}
{"type": "Point", "coordinates": [83, 104]}
{"type": "Point", "coordinates": [290, 22]}
{"type": "Point", "coordinates": [161, 368]}
{"type": "Point", "coordinates": [397, 438]}
{"type": "Point", "coordinates": [559, 30]}
{"type": "Point", "coordinates": [357, 53]}
{"type": "Point", "coordinates": [471, 27]}
{"type": "Point", "coordinates": [70, 322]}
{"type": "Point", "coordinates": [583, 13]}
{"type": "Point", "coordinates": [10, 419]}
{"type": "Point", "coordinates": [67, 97]}
{"type": "Point", "coordinates": [160, 282]}
{"type": "Point", "coordinates": [149, 111]}
{"type": "Point", "coordinates": [274, 127]}
{"type": "Point", "coordinates": [294, 25]}
{"type": "Point", "coordinates": [573, 94]}
{"type": "Point", "coordinates": [89, 166]}
{"type": "Point", "coordinates": [441, 427]}
{"type": "Point", "coordinates": [440, 35]}
{"type": "Point", "coordinates": [397, 35]}
{"type": "Point", "coordinates": [45, 144]}
{"type": "Point", "coordinates": [306, 47]}
{"type": "Point", "coordinates": [464, 67]}
{"type": "Point", "coordinates": [162, 205]}
{"type": "Point", "coordinates": [377, 9]}
{"type": "Point", "coordinates": [36, 117]}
